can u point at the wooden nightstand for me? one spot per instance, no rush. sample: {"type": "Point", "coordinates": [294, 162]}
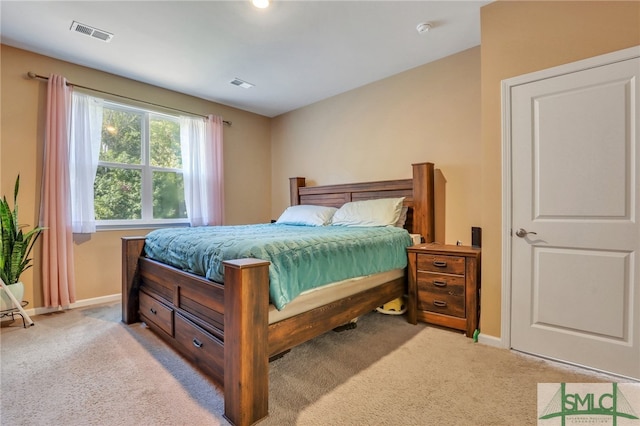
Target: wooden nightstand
{"type": "Point", "coordinates": [444, 286]}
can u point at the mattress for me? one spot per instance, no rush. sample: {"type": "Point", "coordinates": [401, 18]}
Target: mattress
{"type": "Point", "coordinates": [328, 293]}
{"type": "Point", "coordinates": [302, 257]}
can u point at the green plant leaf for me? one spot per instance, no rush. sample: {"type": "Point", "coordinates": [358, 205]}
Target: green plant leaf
{"type": "Point", "coordinates": [15, 245]}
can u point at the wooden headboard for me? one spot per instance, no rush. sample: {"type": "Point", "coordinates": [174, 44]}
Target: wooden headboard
{"type": "Point", "coordinates": [418, 192]}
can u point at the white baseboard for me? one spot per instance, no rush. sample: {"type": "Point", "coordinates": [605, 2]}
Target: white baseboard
{"type": "Point", "coordinates": [490, 340]}
{"type": "Point", "coordinates": [79, 304]}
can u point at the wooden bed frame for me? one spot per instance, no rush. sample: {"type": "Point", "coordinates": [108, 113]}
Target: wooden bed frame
{"type": "Point", "coordinates": [224, 329]}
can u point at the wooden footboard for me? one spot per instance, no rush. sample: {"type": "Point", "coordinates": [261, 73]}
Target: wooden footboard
{"type": "Point", "coordinates": [221, 329]}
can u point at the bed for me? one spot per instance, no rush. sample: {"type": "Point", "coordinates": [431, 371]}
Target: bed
{"type": "Point", "coordinates": [230, 330]}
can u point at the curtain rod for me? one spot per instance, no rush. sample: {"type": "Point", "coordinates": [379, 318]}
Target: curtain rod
{"type": "Point", "coordinates": [34, 76]}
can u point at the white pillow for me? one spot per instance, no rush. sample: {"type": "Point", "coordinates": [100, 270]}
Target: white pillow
{"type": "Point", "coordinates": [307, 214]}
{"type": "Point", "coordinates": [402, 218]}
{"type": "Point", "coordinates": [380, 212]}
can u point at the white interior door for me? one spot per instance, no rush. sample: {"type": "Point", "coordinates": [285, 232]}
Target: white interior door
{"type": "Point", "coordinates": [575, 292]}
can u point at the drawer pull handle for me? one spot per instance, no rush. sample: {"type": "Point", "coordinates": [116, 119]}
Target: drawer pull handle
{"type": "Point", "coordinates": [153, 311]}
{"type": "Point", "coordinates": [439, 263]}
{"type": "Point", "coordinates": [197, 343]}
{"type": "Point", "coordinates": [440, 283]}
{"type": "Point", "coordinates": [440, 303]}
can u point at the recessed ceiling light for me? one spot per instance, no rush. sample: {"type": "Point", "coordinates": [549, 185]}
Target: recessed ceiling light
{"type": "Point", "coordinates": [261, 4]}
{"type": "Point", "coordinates": [241, 83]}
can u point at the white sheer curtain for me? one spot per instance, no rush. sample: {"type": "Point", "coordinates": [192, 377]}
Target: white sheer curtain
{"type": "Point", "coordinates": [202, 165]}
{"type": "Point", "coordinates": [84, 149]}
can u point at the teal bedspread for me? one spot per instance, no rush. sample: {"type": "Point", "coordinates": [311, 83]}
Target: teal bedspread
{"type": "Point", "coordinates": [302, 257]}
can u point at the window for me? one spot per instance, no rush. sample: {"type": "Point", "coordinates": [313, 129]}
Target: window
{"type": "Point", "coordinates": [139, 178]}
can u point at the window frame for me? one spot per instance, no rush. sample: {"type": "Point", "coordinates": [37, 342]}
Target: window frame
{"type": "Point", "coordinates": [146, 221]}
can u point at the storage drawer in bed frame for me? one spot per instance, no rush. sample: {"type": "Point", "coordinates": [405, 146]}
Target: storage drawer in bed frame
{"type": "Point", "coordinates": [188, 315]}
{"type": "Point", "coordinates": [200, 347]}
{"type": "Point", "coordinates": [158, 313]}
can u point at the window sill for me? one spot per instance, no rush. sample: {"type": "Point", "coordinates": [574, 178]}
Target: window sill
{"type": "Point", "coordinates": [142, 226]}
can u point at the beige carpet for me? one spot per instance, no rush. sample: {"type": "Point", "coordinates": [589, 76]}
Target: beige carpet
{"type": "Point", "coordinates": [84, 367]}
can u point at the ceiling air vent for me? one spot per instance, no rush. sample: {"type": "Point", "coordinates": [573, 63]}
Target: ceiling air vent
{"type": "Point", "coordinates": [91, 31]}
{"type": "Point", "coordinates": [241, 83]}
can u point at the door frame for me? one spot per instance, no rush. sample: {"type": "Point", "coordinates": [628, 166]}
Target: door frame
{"type": "Point", "coordinates": [506, 86]}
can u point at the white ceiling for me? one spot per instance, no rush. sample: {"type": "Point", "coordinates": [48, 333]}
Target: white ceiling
{"type": "Point", "coordinates": [295, 52]}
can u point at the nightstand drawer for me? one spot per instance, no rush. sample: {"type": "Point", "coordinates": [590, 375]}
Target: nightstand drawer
{"type": "Point", "coordinates": [441, 303]}
{"type": "Point", "coordinates": [443, 264]}
{"type": "Point", "coordinates": [156, 312]}
{"type": "Point", "coordinates": [441, 284]}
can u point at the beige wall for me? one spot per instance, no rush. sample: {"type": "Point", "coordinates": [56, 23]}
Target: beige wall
{"type": "Point", "coordinates": [519, 38]}
{"type": "Point", "coordinates": [430, 113]}
{"type": "Point", "coordinates": [97, 258]}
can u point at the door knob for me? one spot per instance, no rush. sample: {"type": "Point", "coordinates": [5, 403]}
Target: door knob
{"type": "Point", "coordinates": [523, 233]}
